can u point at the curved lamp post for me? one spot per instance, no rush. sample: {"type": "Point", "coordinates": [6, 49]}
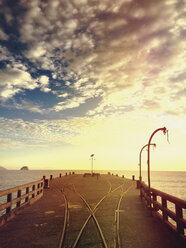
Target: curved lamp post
{"type": "Point", "coordinates": [140, 160]}
{"type": "Point", "coordinates": [148, 159]}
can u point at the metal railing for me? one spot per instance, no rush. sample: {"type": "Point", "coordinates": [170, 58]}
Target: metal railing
{"type": "Point", "coordinates": [159, 202]}
{"type": "Point", "coordinates": [12, 200]}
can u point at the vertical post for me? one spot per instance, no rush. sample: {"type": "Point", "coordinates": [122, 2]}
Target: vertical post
{"type": "Point", "coordinates": [38, 187]}
{"type": "Point", "coordinates": [154, 198]}
{"type": "Point", "coordinates": [164, 207]}
{"type": "Point", "coordinates": [9, 199]}
{"type": "Point", "coordinates": [46, 184]}
{"type": "Point", "coordinates": [140, 177]}
{"type": "Point", "coordinates": [27, 191]}
{"type": "Point", "coordinates": [51, 176]}
{"type": "Point", "coordinates": [179, 215]}
{"type": "Point", "coordinates": [141, 191]}
{"type": "Point", "coordinates": [60, 175]}
{"type": "Point", "coordinates": [92, 158]}
{"type": "Point", "coordinates": [18, 204]}
{"type": "Point", "coordinates": [92, 166]}
{"type": "Point", "coordinates": [33, 189]}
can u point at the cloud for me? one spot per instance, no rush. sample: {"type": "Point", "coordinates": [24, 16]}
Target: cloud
{"type": "Point", "coordinates": [73, 102]}
{"type": "Point", "coordinates": [36, 51]}
{"type": "Point", "coordinates": [44, 83]}
{"type": "Point", "coordinates": [96, 131]}
{"type": "Point", "coordinates": [42, 132]}
{"type": "Point", "coordinates": [8, 144]}
{"type": "Point", "coordinates": [5, 54]}
{"type": "Point", "coordinates": [109, 49]}
{"type": "Point", "coordinates": [14, 80]}
{"type": "Point", "coordinates": [3, 36]}
{"type": "Point", "coordinates": [64, 95]}
{"type": "Point", "coordinates": [27, 105]}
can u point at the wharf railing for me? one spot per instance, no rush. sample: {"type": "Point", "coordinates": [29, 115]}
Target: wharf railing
{"type": "Point", "coordinates": [169, 209]}
{"type": "Point", "coordinates": [14, 199]}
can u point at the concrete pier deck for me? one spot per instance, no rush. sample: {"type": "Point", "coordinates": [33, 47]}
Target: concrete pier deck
{"type": "Point", "coordinates": [40, 225]}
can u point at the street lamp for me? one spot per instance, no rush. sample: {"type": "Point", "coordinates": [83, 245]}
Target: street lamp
{"type": "Point", "coordinates": [140, 160]}
{"type": "Point", "coordinates": [92, 158]}
{"type": "Point", "coordinates": [148, 159]}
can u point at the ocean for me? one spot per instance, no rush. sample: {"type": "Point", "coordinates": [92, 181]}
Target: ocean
{"type": "Point", "coordinates": [171, 182]}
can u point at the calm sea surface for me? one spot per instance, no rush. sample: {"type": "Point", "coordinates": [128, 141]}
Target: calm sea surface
{"type": "Point", "coordinates": [171, 182]}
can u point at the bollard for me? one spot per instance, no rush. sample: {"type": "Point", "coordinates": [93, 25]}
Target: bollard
{"type": "Point", "coordinates": [117, 175]}
{"type": "Point", "coordinates": [123, 176]}
{"type": "Point", "coordinates": [66, 174]}
{"type": "Point", "coordinates": [51, 177]}
{"type": "Point", "coordinates": [46, 184]}
{"type": "Point", "coordinates": [133, 178]}
{"type": "Point", "coordinates": [73, 173]}
{"type": "Point", "coordinates": [60, 175]}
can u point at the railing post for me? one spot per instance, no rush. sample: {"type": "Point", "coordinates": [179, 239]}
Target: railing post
{"type": "Point", "coordinates": [42, 185]}
{"type": "Point", "coordinates": [18, 204]}
{"type": "Point", "coordinates": [154, 199]}
{"type": "Point", "coordinates": [141, 190]}
{"type": "Point", "coordinates": [149, 198]}
{"type": "Point", "coordinates": [179, 215]}
{"type": "Point", "coordinates": [164, 206]}
{"type": "Point", "coordinates": [38, 187]}
{"type": "Point", "coordinates": [33, 189]}
{"type": "Point", "coordinates": [9, 199]}
{"type": "Point", "coordinates": [27, 191]}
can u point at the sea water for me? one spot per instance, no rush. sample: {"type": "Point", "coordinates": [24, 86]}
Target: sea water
{"type": "Point", "coordinates": [171, 182]}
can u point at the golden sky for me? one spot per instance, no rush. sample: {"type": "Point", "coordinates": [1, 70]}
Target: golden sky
{"type": "Point", "coordinates": [79, 77]}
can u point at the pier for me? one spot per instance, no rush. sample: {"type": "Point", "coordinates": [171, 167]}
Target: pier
{"type": "Point", "coordinates": [88, 211]}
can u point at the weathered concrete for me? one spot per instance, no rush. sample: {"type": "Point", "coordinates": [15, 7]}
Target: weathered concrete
{"type": "Point", "coordinates": [40, 225]}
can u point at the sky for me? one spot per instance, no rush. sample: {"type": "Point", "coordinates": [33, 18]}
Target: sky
{"type": "Point", "coordinates": [82, 77]}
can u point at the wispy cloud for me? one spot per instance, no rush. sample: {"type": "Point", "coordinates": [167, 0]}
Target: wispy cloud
{"type": "Point", "coordinates": [41, 132]}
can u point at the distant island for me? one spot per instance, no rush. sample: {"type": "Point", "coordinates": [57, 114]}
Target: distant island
{"type": "Point", "coordinates": [24, 168]}
{"type": "Point", "coordinates": [2, 168]}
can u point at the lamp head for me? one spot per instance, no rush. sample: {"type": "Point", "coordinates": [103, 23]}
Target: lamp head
{"type": "Point", "coordinates": [164, 130]}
